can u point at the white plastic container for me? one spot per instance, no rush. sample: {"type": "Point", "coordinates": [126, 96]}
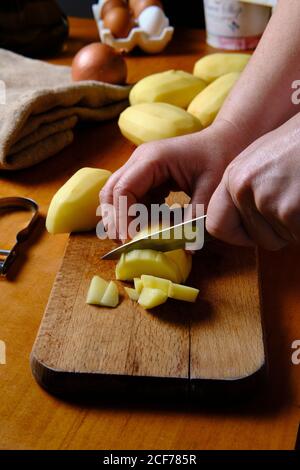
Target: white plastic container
{"type": "Point", "coordinates": [137, 36]}
{"type": "Point", "coordinates": [234, 25]}
{"type": "Point", "coordinates": [267, 3]}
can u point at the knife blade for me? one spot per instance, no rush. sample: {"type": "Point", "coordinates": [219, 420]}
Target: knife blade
{"type": "Point", "coordinates": [166, 239]}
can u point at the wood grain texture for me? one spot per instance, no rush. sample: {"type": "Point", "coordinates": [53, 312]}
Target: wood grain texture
{"type": "Point", "coordinates": [226, 333]}
{"type": "Point", "coordinates": [32, 419]}
{"type": "Point", "coordinates": [206, 340]}
{"type": "Point", "coordinates": [125, 340]}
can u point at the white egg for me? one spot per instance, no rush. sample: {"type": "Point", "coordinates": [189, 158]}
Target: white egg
{"type": "Point", "coordinates": [153, 21]}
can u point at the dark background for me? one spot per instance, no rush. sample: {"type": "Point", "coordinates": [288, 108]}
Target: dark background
{"type": "Point", "coordinates": [181, 13]}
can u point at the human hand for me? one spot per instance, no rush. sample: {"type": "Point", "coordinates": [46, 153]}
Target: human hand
{"type": "Point", "coordinates": [258, 199]}
{"type": "Point", "coordinates": [194, 164]}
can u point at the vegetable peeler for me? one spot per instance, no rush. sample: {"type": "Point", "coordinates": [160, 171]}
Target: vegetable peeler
{"type": "Point", "coordinates": [7, 257]}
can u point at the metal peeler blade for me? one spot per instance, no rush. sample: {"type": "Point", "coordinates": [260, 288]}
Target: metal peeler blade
{"type": "Point", "coordinates": [7, 257]}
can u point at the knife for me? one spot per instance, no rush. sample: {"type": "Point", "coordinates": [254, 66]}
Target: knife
{"type": "Point", "coordinates": [166, 239]}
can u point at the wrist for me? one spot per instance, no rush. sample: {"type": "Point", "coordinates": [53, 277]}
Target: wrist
{"type": "Point", "coordinates": [231, 139]}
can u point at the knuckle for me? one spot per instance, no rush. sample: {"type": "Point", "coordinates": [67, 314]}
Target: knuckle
{"type": "Point", "coordinates": [119, 189]}
{"type": "Point", "coordinates": [265, 203]}
{"type": "Point", "coordinates": [137, 154]}
{"type": "Point", "coordinates": [288, 213]}
{"type": "Point", "coordinates": [144, 150]}
{"type": "Point", "coordinates": [239, 183]}
{"type": "Point", "coordinates": [152, 151]}
{"type": "Point", "coordinates": [104, 192]}
{"type": "Point", "coordinates": [105, 195]}
{"type": "Point", "coordinates": [214, 228]}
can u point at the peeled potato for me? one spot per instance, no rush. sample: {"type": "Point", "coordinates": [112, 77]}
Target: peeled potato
{"type": "Point", "coordinates": [155, 121]}
{"type": "Point", "coordinates": [151, 298]}
{"type": "Point", "coordinates": [73, 208]}
{"type": "Point", "coordinates": [208, 103]}
{"type": "Point", "coordinates": [213, 66]}
{"type": "Point", "coordinates": [173, 86]}
{"type": "Point", "coordinates": [138, 262]}
{"type": "Point", "coordinates": [183, 259]}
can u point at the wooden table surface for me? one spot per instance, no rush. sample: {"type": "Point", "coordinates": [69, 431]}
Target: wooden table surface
{"type": "Point", "coordinates": [32, 419]}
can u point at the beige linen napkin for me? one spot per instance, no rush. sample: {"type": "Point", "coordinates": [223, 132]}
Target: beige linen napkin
{"type": "Point", "coordinates": [43, 105]}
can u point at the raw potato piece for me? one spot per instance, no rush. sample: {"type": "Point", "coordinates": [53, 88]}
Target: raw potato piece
{"type": "Point", "coordinates": [156, 283]}
{"type": "Point", "coordinates": [151, 298]}
{"type": "Point", "coordinates": [173, 86]}
{"type": "Point", "coordinates": [96, 291]}
{"type": "Point", "coordinates": [183, 261]}
{"type": "Point", "coordinates": [138, 262]}
{"type": "Point", "coordinates": [102, 293]}
{"type": "Point", "coordinates": [213, 66]}
{"type": "Point", "coordinates": [181, 258]}
{"type": "Point", "coordinates": [155, 121]}
{"type": "Point", "coordinates": [174, 291]}
{"type": "Point", "coordinates": [185, 293]}
{"type": "Point", "coordinates": [132, 293]}
{"type": "Point", "coordinates": [111, 296]}
{"type": "Point", "coordinates": [73, 208]}
{"type": "Point", "coordinates": [138, 285]}
{"type": "Point", "coordinates": [209, 102]}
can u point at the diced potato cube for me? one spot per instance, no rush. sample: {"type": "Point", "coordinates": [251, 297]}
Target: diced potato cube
{"type": "Point", "coordinates": [132, 293]}
{"type": "Point", "coordinates": [96, 291]}
{"type": "Point", "coordinates": [111, 295]}
{"type": "Point", "coordinates": [156, 283]}
{"type": "Point", "coordinates": [138, 285]}
{"type": "Point", "coordinates": [185, 293]}
{"type": "Point", "coordinates": [151, 298]}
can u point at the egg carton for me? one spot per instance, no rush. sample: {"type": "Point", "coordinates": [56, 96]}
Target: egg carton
{"type": "Point", "coordinates": [136, 37]}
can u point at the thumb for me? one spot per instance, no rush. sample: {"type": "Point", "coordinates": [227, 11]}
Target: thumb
{"type": "Point", "coordinates": [223, 219]}
{"type": "Point", "coordinates": [203, 190]}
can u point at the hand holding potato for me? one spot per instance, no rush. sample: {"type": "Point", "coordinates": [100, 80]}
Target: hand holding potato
{"type": "Point", "coordinates": [193, 164]}
{"type": "Point", "coordinates": [258, 199]}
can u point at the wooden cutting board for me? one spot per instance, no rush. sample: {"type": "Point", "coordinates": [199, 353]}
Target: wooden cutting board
{"type": "Point", "coordinates": [214, 346]}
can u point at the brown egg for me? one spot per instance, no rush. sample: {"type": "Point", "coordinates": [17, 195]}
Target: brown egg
{"type": "Point", "coordinates": [109, 4]}
{"type": "Point", "coordinates": [119, 21]}
{"type": "Point", "coordinates": [99, 62]}
{"type": "Point", "coordinates": [139, 5]}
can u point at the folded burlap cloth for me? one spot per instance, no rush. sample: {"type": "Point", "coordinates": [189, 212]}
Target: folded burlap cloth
{"type": "Point", "coordinates": [42, 107]}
